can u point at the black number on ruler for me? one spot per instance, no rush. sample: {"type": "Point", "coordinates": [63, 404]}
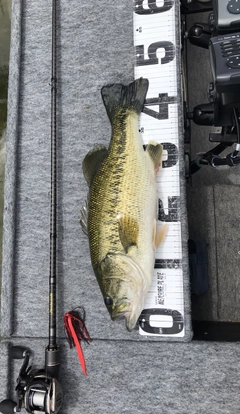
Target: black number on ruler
{"type": "Point", "coordinates": [152, 7]}
{"type": "Point", "coordinates": [172, 155]}
{"type": "Point", "coordinates": [177, 321]}
{"type": "Point", "coordinates": [162, 101]}
{"type": "Point", "coordinates": [152, 53]}
{"type": "Point", "coordinates": [171, 150]}
{"type": "Point", "coordinates": [168, 264]}
{"type": "Point", "coordinates": [173, 209]}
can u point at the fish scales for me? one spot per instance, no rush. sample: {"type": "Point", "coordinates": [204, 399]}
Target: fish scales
{"type": "Point", "coordinates": [115, 190]}
{"type": "Point", "coordinates": [122, 205]}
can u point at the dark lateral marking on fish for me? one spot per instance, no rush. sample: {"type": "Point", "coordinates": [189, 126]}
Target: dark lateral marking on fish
{"type": "Point", "coordinates": [152, 53]}
{"type": "Point", "coordinates": [168, 264]}
{"type": "Point", "coordinates": [153, 8]}
{"type": "Point", "coordinates": [163, 100]}
{"type": "Point", "coordinates": [173, 210]}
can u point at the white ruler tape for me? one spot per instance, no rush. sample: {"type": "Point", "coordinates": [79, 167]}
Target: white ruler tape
{"type": "Point", "coordinates": [155, 47]}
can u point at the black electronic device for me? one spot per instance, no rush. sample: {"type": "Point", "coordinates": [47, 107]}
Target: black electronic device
{"type": "Point", "coordinates": [221, 36]}
{"type": "Point", "coordinates": [225, 64]}
{"type": "Point", "coordinates": [195, 6]}
{"type": "Point", "coordinates": [227, 15]}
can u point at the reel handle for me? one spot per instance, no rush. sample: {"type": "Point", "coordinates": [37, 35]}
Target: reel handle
{"type": "Point", "coordinates": [18, 352]}
{"type": "Point", "coordinates": [7, 407]}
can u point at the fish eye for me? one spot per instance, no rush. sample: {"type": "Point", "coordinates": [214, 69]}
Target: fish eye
{"type": "Point", "coordinates": [108, 301]}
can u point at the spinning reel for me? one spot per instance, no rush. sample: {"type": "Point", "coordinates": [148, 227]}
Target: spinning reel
{"type": "Point", "coordinates": [221, 36]}
{"type": "Point", "coordinates": [38, 391]}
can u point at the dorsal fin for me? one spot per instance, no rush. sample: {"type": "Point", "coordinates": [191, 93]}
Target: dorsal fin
{"type": "Point", "coordinates": [93, 161]}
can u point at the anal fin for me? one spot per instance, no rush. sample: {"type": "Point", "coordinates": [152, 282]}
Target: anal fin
{"type": "Point", "coordinates": [155, 151]}
{"type": "Point", "coordinates": [161, 232]}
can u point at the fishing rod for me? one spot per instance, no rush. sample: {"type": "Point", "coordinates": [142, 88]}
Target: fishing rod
{"type": "Point", "coordinates": [39, 390]}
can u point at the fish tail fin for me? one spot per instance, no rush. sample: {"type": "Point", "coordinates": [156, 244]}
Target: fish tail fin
{"type": "Point", "coordinates": [117, 96]}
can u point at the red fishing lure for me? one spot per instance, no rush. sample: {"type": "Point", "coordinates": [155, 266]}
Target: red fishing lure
{"type": "Point", "coordinates": [74, 324]}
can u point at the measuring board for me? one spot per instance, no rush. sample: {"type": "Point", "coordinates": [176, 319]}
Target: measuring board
{"type": "Point", "coordinates": [155, 32]}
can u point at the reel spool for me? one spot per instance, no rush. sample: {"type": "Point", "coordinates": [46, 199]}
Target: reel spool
{"type": "Point", "coordinates": [43, 394]}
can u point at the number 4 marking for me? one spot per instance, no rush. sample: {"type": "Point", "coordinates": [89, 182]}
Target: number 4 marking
{"type": "Point", "coordinates": [162, 101]}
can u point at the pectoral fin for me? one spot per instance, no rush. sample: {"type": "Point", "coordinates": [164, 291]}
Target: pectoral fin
{"type": "Point", "coordinates": [128, 232]}
{"type": "Point", "coordinates": [155, 151]}
{"type": "Point", "coordinates": [93, 161]}
{"type": "Point", "coordinates": [159, 233]}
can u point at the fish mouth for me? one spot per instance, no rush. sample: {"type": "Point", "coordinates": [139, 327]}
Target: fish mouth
{"type": "Point", "coordinates": [119, 315]}
{"type": "Point", "coordinates": [124, 309]}
{"type": "Point", "coordinates": [130, 322]}
{"type": "Point", "coordinates": [121, 309]}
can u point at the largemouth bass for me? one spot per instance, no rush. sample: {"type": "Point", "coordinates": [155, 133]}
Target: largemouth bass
{"type": "Point", "coordinates": [120, 217]}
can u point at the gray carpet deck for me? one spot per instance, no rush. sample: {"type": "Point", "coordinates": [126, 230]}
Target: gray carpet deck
{"type": "Point", "coordinates": [151, 377]}
{"type": "Point", "coordinates": [125, 374]}
{"type": "Point", "coordinates": [87, 60]}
